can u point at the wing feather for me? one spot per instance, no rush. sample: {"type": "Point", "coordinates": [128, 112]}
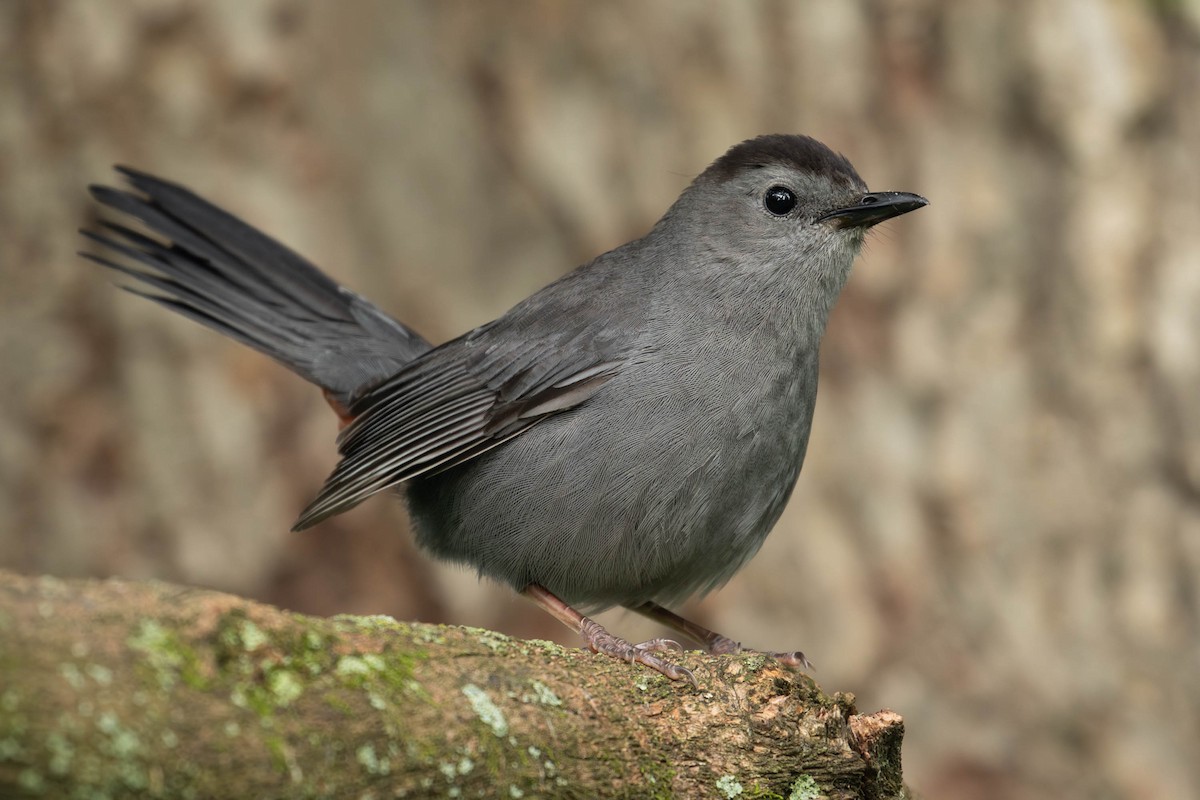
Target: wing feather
{"type": "Point", "coordinates": [447, 408]}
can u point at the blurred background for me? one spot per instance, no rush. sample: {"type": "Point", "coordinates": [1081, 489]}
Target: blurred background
{"type": "Point", "coordinates": [997, 531]}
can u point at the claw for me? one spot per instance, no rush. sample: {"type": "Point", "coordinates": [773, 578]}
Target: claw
{"type": "Point", "coordinates": [714, 643]}
{"type": "Point", "coordinates": [658, 646]}
{"type": "Point", "coordinates": [794, 659]}
{"type": "Point", "coordinates": [720, 645]}
{"type": "Point", "coordinates": [678, 673]}
{"type": "Point", "coordinates": [602, 642]}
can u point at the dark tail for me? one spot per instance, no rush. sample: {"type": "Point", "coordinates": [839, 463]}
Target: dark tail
{"type": "Point", "coordinates": [226, 275]}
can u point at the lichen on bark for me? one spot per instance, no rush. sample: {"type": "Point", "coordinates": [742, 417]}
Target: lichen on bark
{"type": "Point", "coordinates": [143, 689]}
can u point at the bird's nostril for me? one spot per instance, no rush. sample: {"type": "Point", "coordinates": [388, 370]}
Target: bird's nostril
{"type": "Point", "coordinates": [869, 199]}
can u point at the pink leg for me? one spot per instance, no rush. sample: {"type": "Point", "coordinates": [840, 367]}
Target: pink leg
{"type": "Point", "coordinates": [601, 641]}
{"type": "Point", "coordinates": [713, 642]}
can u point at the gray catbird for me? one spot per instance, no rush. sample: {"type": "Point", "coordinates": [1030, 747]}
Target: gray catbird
{"type": "Point", "coordinates": [626, 436]}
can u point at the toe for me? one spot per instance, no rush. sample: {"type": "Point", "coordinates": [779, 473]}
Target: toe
{"type": "Point", "coordinates": [678, 673]}
{"type": "Point", "coordinates": [794, 659]}
{"type": "Point", "coordinates": [658, 646]}
{"type": "Point", "coordinates": [672, 671]}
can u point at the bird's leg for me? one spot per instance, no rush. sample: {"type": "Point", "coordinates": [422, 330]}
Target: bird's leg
{"type": "Point", "coordinates": [601, 641]}
{"type": "Point", "coordinates": [713, 642]}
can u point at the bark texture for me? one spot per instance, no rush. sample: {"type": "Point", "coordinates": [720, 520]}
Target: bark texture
{"type": "Point", "coordinates": [127, 689]}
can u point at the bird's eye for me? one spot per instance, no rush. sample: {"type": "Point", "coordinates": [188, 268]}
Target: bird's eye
{"type": "Point", "coordinates": [779, 200]}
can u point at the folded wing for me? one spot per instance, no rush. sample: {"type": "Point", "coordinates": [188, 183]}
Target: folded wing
{"type": "Point", "coordinates": [454, 403]}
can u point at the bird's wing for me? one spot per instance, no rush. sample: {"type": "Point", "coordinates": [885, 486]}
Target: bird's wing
{"type": "Point", "coordinates": [458, 401]}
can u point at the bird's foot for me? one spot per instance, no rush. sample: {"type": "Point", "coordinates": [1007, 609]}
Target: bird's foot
{"type": "Point", "coordinates": [723, 645]}
{"type": "Point", "coordinates": [714, 643]}
{"type": "Point", "coordinates": [601, 641]}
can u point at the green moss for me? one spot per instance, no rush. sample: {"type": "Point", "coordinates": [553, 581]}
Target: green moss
{"type": "Point", "coordinates": [101, 674]}
{"type": "Point", "coordinates": [496, 642]}
{"type": "Point", "coordinates": [102, 756]}
{"type": "Point", "coordinates": [229, 634]}
{"type": "Point", "coordinates": [312, 653]}
{"type": "Point", "coordinates": [337, 703]}
{"type": "Point", "coordinates": [71, 675]}
{"type": "Point", "coordinates": [755, 662]}
{"type": "Point", "coordinates": [31, 781]}
{"type": "Point", "coordinates": [122, 742]}
{"type": "Point", "coordinates": [62, 753]}
{"type": "Point", "coordinates": [251, 636]}
{"type": "Point", "coordinates": [428, 634]}
{"type": "Point", "coordinates": [369, 624]}
{"type": "Point", "coordinates": [659, 778]}
{"type": "Point", "coordinates": [393, 670]}
{"type": "Point", "coordinates": [352, 667]}
{"type": "Point", "coordinates": [541, 645]}
{"type": "Point", "coordinates": [253, 697]}
{"type": "Point", "coordinates": [166, 655]}
{"type": "Point", "coordinates": [660, 687]}
{"type": "Point", "coordinates": [284, 686]}
{"type": "Point", "coordinates": [132, 775]}
{"type": "Point", "coordinates": [371, 761]}
{"type": "Point", "coordinates": [278, 750]}
{"type": "Point", "coordinates": [278, 673]}
{"type": "Point", "coordinates": [375, 677]}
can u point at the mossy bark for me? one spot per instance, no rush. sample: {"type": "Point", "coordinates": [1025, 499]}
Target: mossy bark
{"type": "Point", "coordinates": [143, 689]}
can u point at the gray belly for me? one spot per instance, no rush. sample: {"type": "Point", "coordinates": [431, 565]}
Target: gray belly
{"type": "Point", "coordinates": [620, 501]}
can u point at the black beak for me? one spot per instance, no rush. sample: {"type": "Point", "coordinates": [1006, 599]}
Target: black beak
{"type": "Point", "coordinates": [873, 208]}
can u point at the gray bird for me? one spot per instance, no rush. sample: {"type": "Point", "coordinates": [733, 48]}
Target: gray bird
{"type": "Point", "coordinates": [627, 436]}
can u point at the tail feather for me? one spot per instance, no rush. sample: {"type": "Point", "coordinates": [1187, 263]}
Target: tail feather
{"type": "Point", "coordinates": [217, 270]}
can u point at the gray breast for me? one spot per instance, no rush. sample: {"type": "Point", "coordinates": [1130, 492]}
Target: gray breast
{"type": "Point", "coordinates": [661, 485]}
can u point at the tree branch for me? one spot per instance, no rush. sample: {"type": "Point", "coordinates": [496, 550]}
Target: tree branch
{"type": "Point", "coordinates": [147, 689]}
